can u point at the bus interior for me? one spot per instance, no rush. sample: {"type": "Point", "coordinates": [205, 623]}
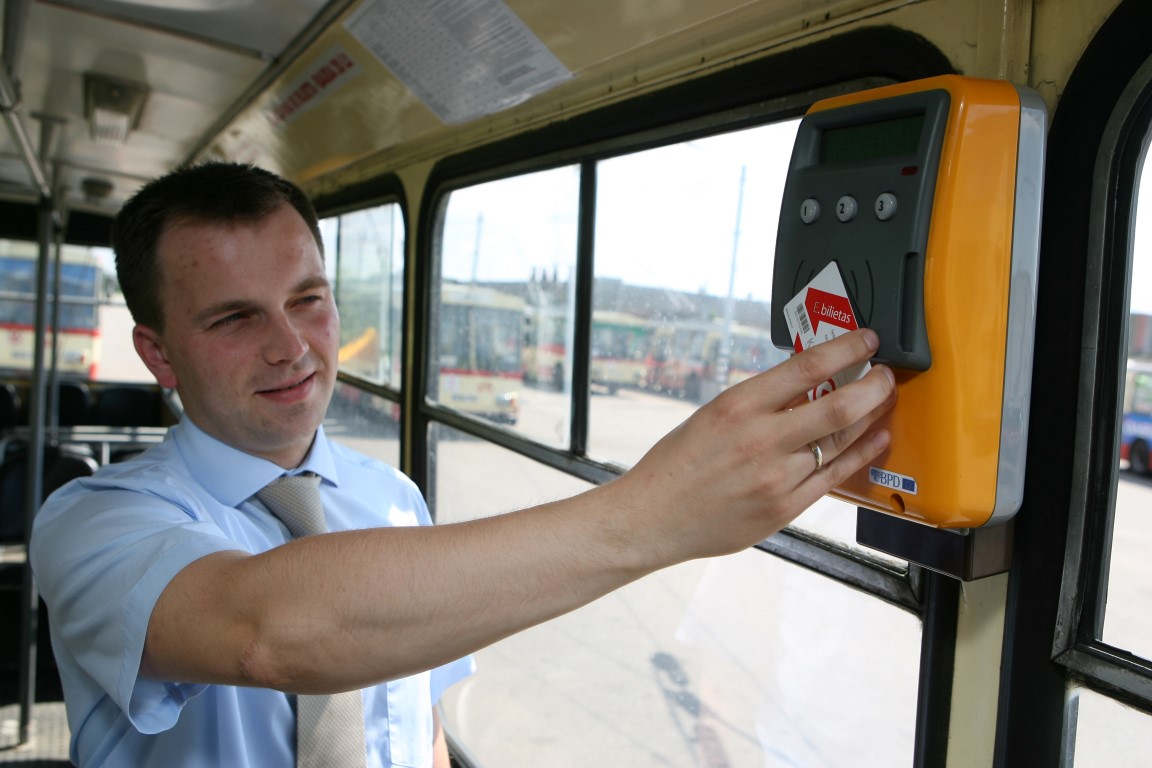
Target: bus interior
{"type": "Point", "coordinates": [550, 228]}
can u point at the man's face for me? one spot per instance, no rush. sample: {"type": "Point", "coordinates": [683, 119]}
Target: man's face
{"type": "Point", "coordinates": [251, 332]}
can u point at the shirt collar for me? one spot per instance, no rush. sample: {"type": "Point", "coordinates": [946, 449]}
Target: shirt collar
{"type": "Point", "coordinates": [232, 476]}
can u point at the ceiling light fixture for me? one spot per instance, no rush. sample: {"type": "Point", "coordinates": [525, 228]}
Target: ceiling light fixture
{"type": "Point", "coordinates": [112, 107]}
{"type": "Point", "coordinates": [96, 190]}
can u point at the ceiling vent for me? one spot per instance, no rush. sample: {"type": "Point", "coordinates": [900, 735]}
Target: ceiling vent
{"type": "Point", "coordinates": [112, 107]}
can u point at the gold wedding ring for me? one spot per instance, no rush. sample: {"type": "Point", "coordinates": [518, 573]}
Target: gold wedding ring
{"type": "Point", "coordinates": [819, 454]}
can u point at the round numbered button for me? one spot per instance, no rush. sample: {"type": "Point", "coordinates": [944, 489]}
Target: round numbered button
{"type": "Point", "coordinates": [809, 210]}
{"type": "Point", "coordinates": [846, 208]}
{"type": "Point", "coordinates": [885, 206]}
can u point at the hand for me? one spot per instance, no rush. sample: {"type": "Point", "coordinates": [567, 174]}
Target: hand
{"type": "Point", "coordinates": [741, 468]}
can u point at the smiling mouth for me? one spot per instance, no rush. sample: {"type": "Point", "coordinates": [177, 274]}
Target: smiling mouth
{"type": "Point", "coordinates": [287, 388]}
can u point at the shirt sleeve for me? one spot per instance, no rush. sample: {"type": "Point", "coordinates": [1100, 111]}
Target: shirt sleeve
{"type": "Point", "coordinates": [448, 675]}
{"type": "Point", "coordinates": [101, 557]}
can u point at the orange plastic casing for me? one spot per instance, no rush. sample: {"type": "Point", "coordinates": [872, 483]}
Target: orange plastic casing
{"type": "Point", "coordinates": [950, 419]}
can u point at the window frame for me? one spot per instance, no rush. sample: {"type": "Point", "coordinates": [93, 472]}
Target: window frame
{"type": "Point", "coordinates": [857, 569]}
{"type": "Point", "coordinates": [776, 88]}
{"type": "Point", "coordinates": [387, 190]}
{"type": "Point", "coordinates": [1035, 723]}
{"type": "Point", "coordinates": [1077, 646]}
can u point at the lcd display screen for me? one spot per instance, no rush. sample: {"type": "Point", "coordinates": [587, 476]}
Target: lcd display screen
{"type": "Point", "coordinates": [872, 141]}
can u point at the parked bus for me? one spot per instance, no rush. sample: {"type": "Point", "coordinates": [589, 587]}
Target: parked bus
{"type": "Point", "coordinates": [546, 342]}
{"type": "Point", "coordinates": [751, 351]}
{"type": "Point", "coordinates": [696, 360]}
{"type": "Point", "coordinates": [1136, 427]}
{"type": "Point", "coordinates": [479, 352]}
{"type": "Point", "coordinates": [620, 350]}
{"type": "Point", "coordinates": [77, 335]}
{"type": "Point", "coordinates": [631, 157]}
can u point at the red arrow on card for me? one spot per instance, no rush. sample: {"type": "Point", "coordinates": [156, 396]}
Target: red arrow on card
{"type": "Point", "coordinates": [824, 307]}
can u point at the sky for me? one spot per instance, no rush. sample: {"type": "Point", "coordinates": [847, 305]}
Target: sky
{"type": "Point", "coordinates": [670, 217]}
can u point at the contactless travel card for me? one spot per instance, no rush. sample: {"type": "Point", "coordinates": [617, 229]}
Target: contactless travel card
{"type": "Point", "coordinates": [820, 312]}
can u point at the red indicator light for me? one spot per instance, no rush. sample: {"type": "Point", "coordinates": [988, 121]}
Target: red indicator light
{"type": "Point", "coordinates": [909, 170]}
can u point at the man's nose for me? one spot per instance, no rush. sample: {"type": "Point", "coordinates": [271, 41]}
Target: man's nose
{"type": "Point", "coordinates": [284, 342]}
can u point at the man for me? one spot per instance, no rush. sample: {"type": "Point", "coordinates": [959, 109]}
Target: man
{"type": "Point", "coordinates": [184, 614]}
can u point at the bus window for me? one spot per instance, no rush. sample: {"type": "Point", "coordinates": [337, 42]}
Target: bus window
{"type": "Point", "coordinates": [668, 676]}
{"type": "Point", "coordinates": [364, 261]}
{"type": "Point", "coordinates": [81, 293]}
{"type": "Point", "coordinates": [1108, 732]}
{"type": "Point", "coordinates": [1128, 615]}
{"type": "Point", "coordinates": [365, 251]}
{"type": "Point", "coordinates": [330, 235]}
{"type": "Point", "coordinates": [684, 242]}
{"type": "Point", "coordinates": [684, 237]}
{"type": "Point", "coordinates": [118, 359]}
{"type": "Point", "coordinates": [1136, 427]}
{"type": "Point", "coordinates": [675, 669]}
{"type": "Point", "coordinates": [365, 421]}
{"type": "Point", "coordinates": [1104, 635]}
{"type": "Point", "coordinates": [502, 306]}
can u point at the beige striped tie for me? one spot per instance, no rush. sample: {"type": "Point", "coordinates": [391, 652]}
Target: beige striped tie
{"type": "Point", "coordinates": [329, 729]}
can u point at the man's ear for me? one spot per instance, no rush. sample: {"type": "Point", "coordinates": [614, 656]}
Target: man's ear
{"type": "Point", "coordinates": [150, 348]}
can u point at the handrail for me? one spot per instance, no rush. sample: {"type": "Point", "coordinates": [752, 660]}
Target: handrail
{"type": "Point", "coordinates": [10, 107]}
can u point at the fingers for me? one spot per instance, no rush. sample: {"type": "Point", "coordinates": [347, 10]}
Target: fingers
{"type": "Point", "coordinates": [832, 425]}
{"type": "Point", "coordinates": [814, 366]}
{"type": "Point", "coordinates": [858, 454]}
{"type": "Point", "coordinates": [838, 419]}
{"type": "Point", "coordinates": [834, 421]}
{"type": "Point", "coordinates": [834, 436]}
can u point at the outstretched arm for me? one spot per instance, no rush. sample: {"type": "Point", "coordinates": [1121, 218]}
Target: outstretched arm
{"type": "Point", "coordinates": [346, 610]}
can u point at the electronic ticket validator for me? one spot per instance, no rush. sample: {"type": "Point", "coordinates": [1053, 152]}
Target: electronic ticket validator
{"type": "Point", "coordinates": [926, 196]}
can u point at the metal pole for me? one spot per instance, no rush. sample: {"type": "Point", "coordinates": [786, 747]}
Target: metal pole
{"type": "Point", "coordinates": [33, 485]}
{"type": "Point", "coordinates": [724, 358]}
{"type": "Point", "coordinates": [10, 109]}
{"type": "Point", "coordinates": [52, 365]}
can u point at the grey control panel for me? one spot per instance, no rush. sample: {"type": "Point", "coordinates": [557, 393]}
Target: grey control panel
{"type": "Point", "coordinates": [860, 192]}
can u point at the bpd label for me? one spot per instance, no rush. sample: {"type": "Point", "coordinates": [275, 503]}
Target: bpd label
{"type": "Point", "coordinates": [893, 480]}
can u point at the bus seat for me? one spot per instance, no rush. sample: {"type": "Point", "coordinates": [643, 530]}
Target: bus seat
{"type": "Point", "coordinates": [61, 464]}
{"type": "Point", "coordinates": [123, 454]}
{"type": "Point", "coordinates": [9, 406]}
{"type": "Point", "coordinates": [128, 407]}
{"type": "Point", "coordinates": [75, 402]}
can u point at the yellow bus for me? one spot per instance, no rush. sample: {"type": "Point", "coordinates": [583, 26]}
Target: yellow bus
{"type": "Point", "coordinates": [620, 346]}
{"type": "Point", "coordinates": [479, 352]}
{"type": "Point", "coordinates": [696, 360]}
{"type": "Point", "coordinates": [620, 350]}
{"type": "Point", "coordinates": [546, 344]}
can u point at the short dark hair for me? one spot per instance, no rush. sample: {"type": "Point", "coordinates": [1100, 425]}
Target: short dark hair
{"type": "Point", "coordinates": [210, 192]}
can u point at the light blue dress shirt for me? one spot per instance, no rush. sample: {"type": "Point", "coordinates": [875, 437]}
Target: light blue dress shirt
{"type": "Point", "coordinates": [105, 547]}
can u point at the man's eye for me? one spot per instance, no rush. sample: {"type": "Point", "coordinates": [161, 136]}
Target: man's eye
{"type": "Point", "coordinates": [229, 320]}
